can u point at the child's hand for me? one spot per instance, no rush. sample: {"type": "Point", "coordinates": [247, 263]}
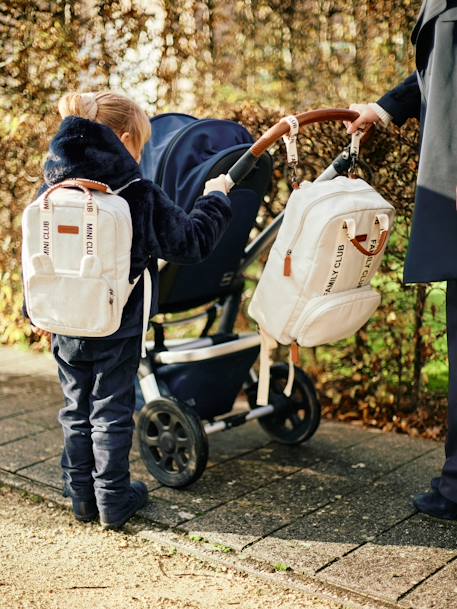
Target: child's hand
{"type": "Point", "coordinates": [216, 184]}
{"type": "Point", "coordinates": [40, 332]}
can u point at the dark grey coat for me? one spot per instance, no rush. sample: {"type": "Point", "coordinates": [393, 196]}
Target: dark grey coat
{"type": "Point", "coordinates": [431, 95]}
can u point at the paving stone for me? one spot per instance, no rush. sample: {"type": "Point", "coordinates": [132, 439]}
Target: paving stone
{"type": "Point", "coordinates": [234, 442]}
{"type": "Point", "coordinates": [420, 530]}
{"type": "Point", "coordinates": [30, 450]}
{"type": "Point", "coordinates": [385, 452]}
{"type": "Point", "coordinates": [19, 361]}
{"type": "Point", "coordinates": [437, 592]}
{"type": "Point", "coordinates": [45, 417]}
{"type": "Point", "coordinates": [299, 493]}
{"type": "Point", "coordinates": [11, 429]}
{"type": "Point", "coordinates": [385, 571]}
{"type": "Point", "coordinates": [47, 472]}
{"type": "Point", "coordinates": [164, 513]}
{"type": "Point", "coordinates": [331, 531]}
{"type": "Point", "coordinates": [11, 354]}
{"type": "Point", "coordinates": [415, 475]}
{"type": "Point", "coordinates": [300, 555]}
{"type": "Point", "coordinates": [337, 435]}
{"type": "Point", "coordinates": [234, 525]}
{"type": "Point", "coordinates": [35, 488]}
{"type": "Point", "coordinates": [31, 393]}
{"type": "Point", "coordinates": [224, 482]}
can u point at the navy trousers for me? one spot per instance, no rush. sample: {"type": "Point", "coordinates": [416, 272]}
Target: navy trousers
{"type": "Point", "coordinates": [448, 484]}
{"type": "Point", "coordinates": [97, 378]}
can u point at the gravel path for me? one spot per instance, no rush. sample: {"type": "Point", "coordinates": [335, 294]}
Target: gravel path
{"type": "Point", "coordinates": [48, 560]}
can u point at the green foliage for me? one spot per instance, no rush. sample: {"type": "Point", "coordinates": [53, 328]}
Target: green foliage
{"type": "Point", "coordinates": [196, 538]}
{"type": "Point", "coordinates": [220, 547]}
{"type": "Point", "coordinates": [282, 568]}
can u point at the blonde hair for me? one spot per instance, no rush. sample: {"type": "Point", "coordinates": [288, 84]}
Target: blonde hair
{"type": "Point", "coordinates": [114, 110]}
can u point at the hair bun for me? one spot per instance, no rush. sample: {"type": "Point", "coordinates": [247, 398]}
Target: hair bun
{"type": "Point", "coordinates": [83, 105]}
{"type": "Point", "coordinates": [89, 104]}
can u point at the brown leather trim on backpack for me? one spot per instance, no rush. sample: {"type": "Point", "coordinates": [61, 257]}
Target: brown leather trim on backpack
{"type": "Point", "coordinates": [89, 184]}
{"type": "Point", "coordinates": [66, 229]}
{"type": "Point", "coordinates": [382, 241]}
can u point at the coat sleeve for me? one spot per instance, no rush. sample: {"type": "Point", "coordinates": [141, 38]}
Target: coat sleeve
{"type": "Point", "coordinates": [404, 101]}
{"type": "Point", "coordinates": [185, 238]}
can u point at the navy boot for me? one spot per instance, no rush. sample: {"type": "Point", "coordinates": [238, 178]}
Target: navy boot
{"type": "Point", "coordinates": [116, 518]}
{"type": "Point", "coordinates": [434, 504]}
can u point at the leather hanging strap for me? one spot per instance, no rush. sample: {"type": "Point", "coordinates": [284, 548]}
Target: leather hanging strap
{"type": "Point", "coordinates": [267, 346]}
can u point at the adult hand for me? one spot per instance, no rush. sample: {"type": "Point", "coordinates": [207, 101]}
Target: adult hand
{"type": "Point", "coordinates": [216, 185]}
{"type": "Point", "coordinates": [367, 116]}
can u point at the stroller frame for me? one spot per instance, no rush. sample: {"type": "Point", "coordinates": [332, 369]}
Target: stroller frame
{"type": "Point", "coordinates": [180, 429]}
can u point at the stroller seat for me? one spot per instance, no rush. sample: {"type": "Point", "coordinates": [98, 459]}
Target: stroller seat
{"type": "Point", "coordinates": [183, 153]}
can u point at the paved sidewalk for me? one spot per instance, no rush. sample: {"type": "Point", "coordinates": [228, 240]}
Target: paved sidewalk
{"type": "Point", "coordinates": [332, 517]}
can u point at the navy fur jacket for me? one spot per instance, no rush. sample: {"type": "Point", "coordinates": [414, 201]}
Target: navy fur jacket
{"type": "Point", "coordinates": [161, 229]}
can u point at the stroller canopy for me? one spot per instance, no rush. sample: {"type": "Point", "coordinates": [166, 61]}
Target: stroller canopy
{"type": "Point", "coordinates": [183, 150]}
{"type": "Point", "coordinates": [181, 156]}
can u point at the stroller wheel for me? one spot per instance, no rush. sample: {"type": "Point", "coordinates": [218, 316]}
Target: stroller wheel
{"type": "Point", "coordinates": [173, 443]}
{"type": "Point", "coordinates": [298, 416]}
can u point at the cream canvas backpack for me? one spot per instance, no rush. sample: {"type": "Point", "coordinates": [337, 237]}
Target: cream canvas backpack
{"type": "Point", "coordinates": [315, 288]}
{"type": "Point", "coordinates": [77, 238]}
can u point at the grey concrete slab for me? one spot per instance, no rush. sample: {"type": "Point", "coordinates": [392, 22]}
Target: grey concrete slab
{"type": "Point", "coordinates": [343, 435]}
{"type": "Point", "coordinates": [31, 393]}
{"type": "Point", "coordinates": [42, 364]}
{"type": "Point", "coordinates": [237, 441]}
{"type": "Point", "coordinates": [34, 488]}
{"type": "Point", "coordinates": [30, 450]}
{"type": "Point", "coordinates": [44, 417]}
{"type": "Point", "coordinates": [415, 475]}
{"type": "Point", "coordinates": [386, 571]}
{"type": "Point", "coordinates": [299, 493]}
{"type": "Point", "coordinates": [8, 355]}
{"type": "Point", "coordinates": [385, 452]}
{"type": "Point", "coordinates": [12, 429]}
{"type": "Point", "coordinates": [422, 531]}
{"type": "Point", "coordinates": [223, 483]}
{"type": "Point", "coordinates": [234, 525]}
{"type": "Point", "coordinates": [165, 513]}
{"type": "Point", "coordinates": [46, 472]}
{"type": "Point", "coordinates": [300, 555]}
{"type": "Point", "coordinates": [437, 592]}
{"type": "Point", "coordinates": [16, 360]}
{"type": "Point", "coordinates": [328, 533]}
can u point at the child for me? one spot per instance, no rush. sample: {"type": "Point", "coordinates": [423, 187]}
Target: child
{"type": "Point", "coordinates": [101, 138]}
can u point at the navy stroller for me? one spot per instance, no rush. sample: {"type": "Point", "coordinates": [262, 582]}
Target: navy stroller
{"type": "Point", "coordinates": [189, 386]}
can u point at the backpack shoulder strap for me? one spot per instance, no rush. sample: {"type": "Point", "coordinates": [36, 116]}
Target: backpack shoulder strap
{"type": "Point", "coordinates": [118, 190]}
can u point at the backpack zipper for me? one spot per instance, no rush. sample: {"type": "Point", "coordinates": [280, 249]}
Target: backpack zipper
{"type": "Point", "coordinates": [288, 257]}
{"type": "Point", "coordinates": [111, 296]}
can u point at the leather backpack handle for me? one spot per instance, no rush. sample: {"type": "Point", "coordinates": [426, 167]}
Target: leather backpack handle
{"type": "Point", "coordinates": [382, 241]}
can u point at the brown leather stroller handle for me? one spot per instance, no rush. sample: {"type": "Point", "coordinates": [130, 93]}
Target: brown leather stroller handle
{"type": "Point", "coordinates": [247, 162]}
{"type": "Point", "coordinates": [304, 118]}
